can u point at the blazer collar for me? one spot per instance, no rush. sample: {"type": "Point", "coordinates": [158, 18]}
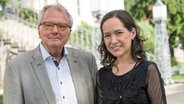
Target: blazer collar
{"type": "Point", "coordinates": [42, 76]}
{"type": "Point", "coordinates": [73, 61]}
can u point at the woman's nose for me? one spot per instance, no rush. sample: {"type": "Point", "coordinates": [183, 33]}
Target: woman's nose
{"type": "Point", "coordinates": [114, 39]}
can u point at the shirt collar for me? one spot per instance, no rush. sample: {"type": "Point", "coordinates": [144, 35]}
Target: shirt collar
{"type": "Point", "coordinates": [45, 54]}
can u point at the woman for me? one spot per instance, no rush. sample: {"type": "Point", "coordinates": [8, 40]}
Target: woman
{"type": "Point", "coordinates": [127, 77]}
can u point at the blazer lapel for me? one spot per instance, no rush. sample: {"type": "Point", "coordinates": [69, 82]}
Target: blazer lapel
{"type": "Point", "coordinates": [42, 76]}
{"type": "Point", "coordinates": [75, 73]}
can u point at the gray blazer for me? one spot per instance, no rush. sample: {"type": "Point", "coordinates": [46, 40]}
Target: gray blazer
{"type": "Point", "coordinates": [26, 80]}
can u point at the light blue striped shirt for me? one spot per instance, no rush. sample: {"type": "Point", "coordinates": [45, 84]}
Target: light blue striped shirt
{"type": "Point", "coordinates": [60, 78]}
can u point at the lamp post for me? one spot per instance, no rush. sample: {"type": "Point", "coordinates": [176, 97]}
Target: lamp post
{"type": "Point", "coordinates": [96, 9]}
{"type": "Point", "coordinates": [161, 46]}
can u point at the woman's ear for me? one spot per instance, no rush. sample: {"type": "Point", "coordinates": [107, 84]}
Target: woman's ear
{"type": "Point", "coordinates": [133, 33]}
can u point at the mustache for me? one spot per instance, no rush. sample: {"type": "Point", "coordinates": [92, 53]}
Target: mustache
{"type": "Point", "coordinates": [54, 37]}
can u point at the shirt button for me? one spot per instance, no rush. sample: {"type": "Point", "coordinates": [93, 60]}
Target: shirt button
{"type": "Point", "coordinates": [60, 82]}
{"type": "Point", "coordinates": [58, 68]}
{"type": "Point", "coordinates": [63, 97]}
{"type": "Point", "coordinates": [120, 96]}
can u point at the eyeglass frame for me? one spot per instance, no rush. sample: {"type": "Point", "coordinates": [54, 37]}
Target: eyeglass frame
{"type": "Point", "coordinates": [63, 28]}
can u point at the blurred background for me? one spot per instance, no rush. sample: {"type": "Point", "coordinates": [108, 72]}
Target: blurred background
{"type": "Point", "coordinates": [161, 21]}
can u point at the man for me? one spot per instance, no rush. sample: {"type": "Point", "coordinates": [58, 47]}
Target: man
{"type": "Point", "coordinates": [51, 73]}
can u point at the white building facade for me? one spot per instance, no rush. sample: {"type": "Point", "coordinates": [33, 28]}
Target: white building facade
{"type": "Point", "coordinates": [81, 10]}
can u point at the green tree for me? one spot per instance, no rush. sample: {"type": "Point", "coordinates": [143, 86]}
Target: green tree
{"type": "Point", "coordinates": [148, 33]}
{"type": "Point", "coordinates": [28, 15]}
{"type": "Point", "coordinates": [175, 23]}
{"type": "Point", "coordinates": [3, 3]}
{"type": "Point", "coordinates": [142, 9]}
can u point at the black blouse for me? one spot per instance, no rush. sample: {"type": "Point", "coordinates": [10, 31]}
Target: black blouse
{"type": "Point", "coordinates": [141, 85]}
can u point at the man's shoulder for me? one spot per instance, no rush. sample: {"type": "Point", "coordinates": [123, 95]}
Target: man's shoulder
{"type": "Point", "coordinates": [77, 51]}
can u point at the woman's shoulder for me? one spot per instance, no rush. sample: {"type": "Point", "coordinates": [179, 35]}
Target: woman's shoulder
{"type": "Point", "coordinates": [104, 73]}
{"type": "Point", "coordinates": [149, 64]}
{"type": "Point", "coordinates": [143, 65]}
{"type": "Point", "coordinates": [104, 69]}
{"type": "Point", "coordinates": [146, 63]}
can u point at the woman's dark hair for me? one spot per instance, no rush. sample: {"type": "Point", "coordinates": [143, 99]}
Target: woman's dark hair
{"type": "Point", "coordinates": [138, 53]}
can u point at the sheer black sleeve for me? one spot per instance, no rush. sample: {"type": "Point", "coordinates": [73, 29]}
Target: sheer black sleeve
{"type": "Point", "coordinates": [98, 90]}
{"type": "Point", "coordinates": [155, 85]}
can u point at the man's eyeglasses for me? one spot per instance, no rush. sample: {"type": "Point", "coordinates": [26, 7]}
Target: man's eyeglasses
{"type": "Point", "coordinates": [50, 25]}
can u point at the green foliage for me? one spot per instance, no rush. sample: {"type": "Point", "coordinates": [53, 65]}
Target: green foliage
{"type": "Point", "coordinates": [82, 34]}
{"type": "Point", "coordinates": [175, 22]}
{"type": "Point", "coordinates": [1, 99]}
{"type": "Point", "coordinates": [28, 15]}
{"type": "Point", "coordinates": [142, 9]}
{"type": "Point", "coordinates": [139, 8]}
{"type": "Point", "coordinates": [178, 77]}
{"type": "Point", "coordinates": [1, 15]}
{"type": "Point", "coordinates": [174, 61]}
{"type": "Point", "coordinates": [148, 34]}
{"type": "Point", "coordinates": [4, 2]}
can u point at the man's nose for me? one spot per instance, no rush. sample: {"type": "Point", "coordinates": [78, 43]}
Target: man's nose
{"type": "Point", "coordinates": [55, 28]}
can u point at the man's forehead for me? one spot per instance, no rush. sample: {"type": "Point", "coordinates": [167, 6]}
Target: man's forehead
{"type": "Point", "coordinates": [55, 12]}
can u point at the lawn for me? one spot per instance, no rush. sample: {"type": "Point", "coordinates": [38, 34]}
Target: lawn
{"type": "Point", "coordinates": [1, 99]}
{"type": "Point", "coordinates": [178, 77]}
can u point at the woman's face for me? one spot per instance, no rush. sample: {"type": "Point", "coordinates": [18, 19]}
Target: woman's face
{"type": "Point", "coordinates": [117, 38]}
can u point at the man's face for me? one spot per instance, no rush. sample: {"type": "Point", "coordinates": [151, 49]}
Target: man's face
{"type": "Point", "coordinates": [54, 31]}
